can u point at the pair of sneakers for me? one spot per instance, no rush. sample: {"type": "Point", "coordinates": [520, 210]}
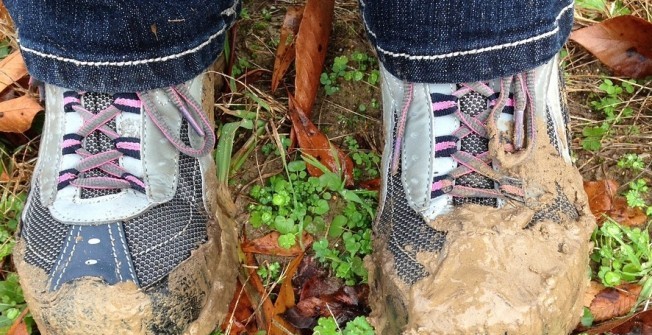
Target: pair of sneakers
{"type": "Point", "coordinates": [482, 229]}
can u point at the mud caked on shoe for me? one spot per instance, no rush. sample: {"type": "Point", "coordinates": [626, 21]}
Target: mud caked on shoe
{"type": "Point", "coordinates": [484, 225]}
{"type": "Point", "coordinates": [121, 233]}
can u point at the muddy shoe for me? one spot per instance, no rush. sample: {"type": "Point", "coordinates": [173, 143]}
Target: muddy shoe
{"type": "Point", "coordinates": [484, 225]}
{"type": "Point", "coordinates": [121, 233]}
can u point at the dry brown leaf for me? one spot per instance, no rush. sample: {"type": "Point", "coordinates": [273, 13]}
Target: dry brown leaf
{"type": "Point", "coordinates": [637, 324]}
{"type": "Point", "coordinates": [311, 45]}
{"type": "Point", "coordinates": [612, 302]}
{"type": "Point", "coordinates": [266, 313]}
{"type": "Point", "coordinates": [16, 115]}
{"type": "Point", "coordinates": [623, 43]}
{"type": "Point", "coordinates": [12, 68]}
{"type": "Point", "coordinates": [286, 51]}
{"type": "Point", "coordinates": [591, 292]}
{"type": "Point", "coordinates": [600, 193]}
{"type": "Point", "coordinates": [603, 201]}
{"type": "Point", "coordinates": [314, 143]}
{"type": "Point", "coordinates": [626, 215]}
{"type": "Point", "coordinates": [285, 300]}
{"type": "Point", "coordinates": [239, 318]}
{"type": "Point", "coordinates": [268, 245]}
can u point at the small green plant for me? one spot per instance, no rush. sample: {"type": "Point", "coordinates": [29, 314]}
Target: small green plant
{"type": "Point", "coordinates": [266, 14]}
{"type": "Point", "coordinates": [631, 161]}
{"type": "Point", "coordinates": [604, 7]}
{"type": "Point", "coordinates": [609, 102]}
{"type": "Point", "coordinates": [5, 48]}
{"type": "Point", "coordinates": [269, 272]}
{"type": "Point", "coordinates": [622, 253]}
{"type": "Point", "coordinates": [635, 196]}
{"type": "Point", "coordinates": [271, 147]}
{"type": "Point", "coordinates": [587, 318]}
{"type": "Point", "coordinates": [356, 68]}
{"type": "Point", "coordinates": [240, 67]}
{"type": "Point", "coordinates": [244, 14]}
{"type": "Point", "coordinates": [12, 303]}
{"type": "Point", "coordinates": [366, 162]}
{"type": "Point", "coordinates": [357, 326]}
{"type": "Point", "coordinates": [321, 206]}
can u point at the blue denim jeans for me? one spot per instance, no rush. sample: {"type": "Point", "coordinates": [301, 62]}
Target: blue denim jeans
{"type": "Point", "coordinates": [132, 45]}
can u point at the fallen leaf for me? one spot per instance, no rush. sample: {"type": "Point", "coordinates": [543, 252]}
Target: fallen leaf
{"type": "Point", "coordinates": [285, 300]}
{"type": "Point", "coordinates": [311, 46]}
{"type": "Point", "coordinates": [637, 324]}
{"type": "Point", "coordinates": [19, 327]}
{"type": "Point", "coordinates": [600, 193]}
{"type": "Point", "coordinates": [314, 143]}
{"type": "Point", "coordinates": [240, 313]}
{"type": "Point", "coordinates": [626, 215]}
{"type": "Point", "coordinates": [603, 201]}
{"type": "Point", "coordinates": [371, 184]}
{"type": "Point", "coordinates": [16, 115]}
{"type": "Point", "coordinates": [612, 302]}
{"type": "Point", "coordinates": [344, 305]}
{"type": "Point", "coordinates": [321, 295]}
{"type": "Point", "coordinates": [12, 68]}
{"type": "Point", "coordinates": [286, 51]}
{"type": "Point", "coordinates": [259, 296]}
{"type": "Point", "coordinates": [591, 292]}
{"type": "Point", "coordinates": [623, 43]}
{"type": "Point", "coordinates": [268, 245]}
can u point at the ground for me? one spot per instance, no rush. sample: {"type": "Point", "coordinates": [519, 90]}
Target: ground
{"type": "Point", "coordinates": [353, 112]}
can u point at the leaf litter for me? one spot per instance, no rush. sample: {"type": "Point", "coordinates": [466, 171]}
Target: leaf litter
{"type": "Point", "coordinates": [623, 43]}
{"type": "Point", "coordinates": [313, 291]}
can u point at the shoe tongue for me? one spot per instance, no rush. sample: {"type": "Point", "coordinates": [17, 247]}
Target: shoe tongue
{"type": "Point", "coordinates": [473, 104]}
{"type": "Point", "coordinates": [97, 142]}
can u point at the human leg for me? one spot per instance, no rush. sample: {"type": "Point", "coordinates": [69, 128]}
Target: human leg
{"type": "Point", "coordinates": [483, 218]}
{"type": "Point", "coordinates": [122, 233]}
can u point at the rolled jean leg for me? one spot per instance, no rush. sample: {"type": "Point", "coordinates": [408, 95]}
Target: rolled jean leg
{"type": "Point", "coordinates": [448, 41]}
{"type": "Point", "coordinates": [123, 231]}
{"type": "Point", "coordinates": [120, 46]}
{"type": "Point", "coordinates": [478, 188]}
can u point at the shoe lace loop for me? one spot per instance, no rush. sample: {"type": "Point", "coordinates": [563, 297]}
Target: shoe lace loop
{"type": "Point", "coordinates": [117, 177]}
{"type": "Point", "coordinates": [505, 152]}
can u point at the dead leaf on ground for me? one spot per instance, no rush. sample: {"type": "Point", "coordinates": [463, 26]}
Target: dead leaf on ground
{"type": "Point", "coordinates": [371, 184]}
{"type": "Point", "coordinates": [314, 143]}
{"type": "Point", "coordinates": [311, 46]}
{"type": "Point", "coordinates": [268, 245]}
{"type": "Point", "coordinates": [591, 292]}
{"type": "Point", "coordinates": [603, 200]}
{"type": "Point", "coordinates": [613, 302]}
{"type": "Point", "coordinates": [19, 327]}
{"type": "Point", "coordinates": [285, 300]}
{"type": "Point", "coordinates": [286, 51]}
{"type": "Point", "coordinates": [12, 68]}
{"type": "Point", "coordinates": [240, 316]}
{"type": "Point", "coordinates": [259, 296]}
{"type": "Point", "coordinates": [321, 295]}
{"type": "Point", "coordinates": [637, 324]}
{"type": "Point", "coordinates": [16, 115]}
{"type": "Point", "coordinates": [623, 43]}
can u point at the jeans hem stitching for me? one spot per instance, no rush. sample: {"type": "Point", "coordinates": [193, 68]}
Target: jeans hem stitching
{"type": "Point", "coordinates": [468, 52]}
{"type": "Point", "coordinates": [228, 12]}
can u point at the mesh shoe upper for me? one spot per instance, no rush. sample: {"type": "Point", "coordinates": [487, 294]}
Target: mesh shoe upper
{"type": "Point", "coordinates": [454, 119]}
{"type": "Point", "coordinates": [110, 165]}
